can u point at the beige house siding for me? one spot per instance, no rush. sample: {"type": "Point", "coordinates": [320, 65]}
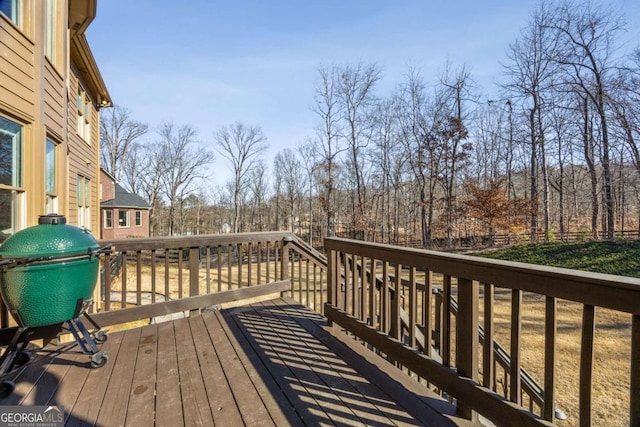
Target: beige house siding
{"type": "Point", "coordinates": [54, 99]}
{"type": "Point", "coordinates": [17, 72]}
{"type": "Point", "coordinates": [41, 96]}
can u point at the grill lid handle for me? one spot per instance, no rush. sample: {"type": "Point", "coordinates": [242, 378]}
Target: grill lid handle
{"type": "Point", "coordinates": [52, 218]}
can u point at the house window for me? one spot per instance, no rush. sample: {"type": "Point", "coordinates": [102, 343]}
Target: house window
{"type": "Point", "coordinates": [84, 202]}
{"type": "Point", "coordinates": [11, 192]}
{"type": "Point", "coordinates": [50, 33]}
{"type": "Point", "coordinates": [11, 9]}
{"type": "Point", "coordinates": [84, 115]}
{"type": "Point", "coordinates": [138, 218]}
{"type": "Point", "coordinates": [108, 219]}
{"type": "Point", "coordinates": [123, 219]}
{"type": "Point", "coordinates": [50, 177]}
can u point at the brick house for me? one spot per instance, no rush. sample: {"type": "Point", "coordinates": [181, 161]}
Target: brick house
{"type": "Point", "coordinates": [122, 214]}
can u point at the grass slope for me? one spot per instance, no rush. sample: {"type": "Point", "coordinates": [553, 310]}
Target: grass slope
{"type": "Point", "coordinates": [612, 257]}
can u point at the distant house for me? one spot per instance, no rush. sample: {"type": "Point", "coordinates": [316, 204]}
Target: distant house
{"type": "Point", "coordinates": [122, 214]}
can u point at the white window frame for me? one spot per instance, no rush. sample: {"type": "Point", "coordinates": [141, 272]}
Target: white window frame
{"type": "Point", "coordinates": [108, 217]}
{"type": "Point", "coordinates": [126, 221]}
{"type": "Point", "coordinates": [15, 188]}
{"type": "Point", "coordinates": [84, 202]}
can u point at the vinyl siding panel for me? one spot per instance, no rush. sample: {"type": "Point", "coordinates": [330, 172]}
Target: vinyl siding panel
{"type": "Point", "coordinates": [54, 101]}
{"type": "Point", "coordinates": [83, 158]}
{"type": "Point", "coordinates": [17, 72]}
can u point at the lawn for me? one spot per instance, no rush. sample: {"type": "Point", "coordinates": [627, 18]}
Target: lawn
{"type": "Point", "coordinates": [612, 257]}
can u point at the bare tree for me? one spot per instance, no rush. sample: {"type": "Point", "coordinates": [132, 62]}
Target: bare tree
{"type": "Point", "coordinates": [355, 90]}
{"type": "Point", "coordinates": [452, 133]}
{"type": "Point", "coordinates": [327, 144]}
{"type": "Point", "coordinates": [530, 72]}
{"type": "Point", "coordinates": [258, 192]}
{"type": "Point", "coordinates": [416, 128]}
{"type": "Point", "coordinates": [288, 167]}
{"type": "Point", "coordinates": [585, 36]}
{"type": "Point", "coordinates": [241, 146]}
{"type": "Point", "coordinates": [118, 134]}
{"type": "Point", "coordinates": [181, 165]}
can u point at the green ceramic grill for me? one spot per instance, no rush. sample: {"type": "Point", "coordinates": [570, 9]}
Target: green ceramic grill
{"type": "Point", "coordinates": [50, 270]}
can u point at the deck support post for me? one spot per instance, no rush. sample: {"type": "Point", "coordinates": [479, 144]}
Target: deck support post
{"type": "Point", "coordinates": [467, 337]}
{"type": "Point", "coordinates": [194, 277]}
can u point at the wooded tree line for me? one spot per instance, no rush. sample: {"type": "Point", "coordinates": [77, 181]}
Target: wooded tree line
{"type": "Point", "coordinates": [555, 151]}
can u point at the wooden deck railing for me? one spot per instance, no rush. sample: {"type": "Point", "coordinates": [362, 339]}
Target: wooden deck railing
{"type": "Point", "coordinates": [139, 274]}
{"type": "Point", "coordinates": [374, 314]}
{"type": "Point", "coordinates": [393, 299]}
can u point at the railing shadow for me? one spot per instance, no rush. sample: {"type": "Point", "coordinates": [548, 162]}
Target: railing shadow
{"type": "Point", "coordinates": [315, 382]}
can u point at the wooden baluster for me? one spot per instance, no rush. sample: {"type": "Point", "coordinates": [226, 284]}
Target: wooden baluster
{"type": "Point", "coordinates": [138, 277]}
{"type": "Point", "coordinates": [516, 333]}
{"type": "Point", "coordinates": [240, 259]}
{"type": "Point", "coordinates": [249, 263]}
{"type": "Point", "coordinates": [427, 315]}
{"type": "Point", "coordinates": [346, 259]}
{"type": "Point", "coordinates": [550, 329]}
{"type": "Point", "coordinates": [363, 289]}
{"type": "Point", "coordinates": [180, 273]}
{"type": "Point", "coordinates": [259, 254]}
{"type": "Point", "coordinates": [384, 305]}
{"type": "Point", "coordinates": [229, 266]}
{"type": "Point", "coordinates": [208, 268]}
{"type": "Point", "coordinates": [167, 291]}
{"type": "Point", "coordinates": [586, 363]}
{"type": "Point", "coordinates": [123, 291]}
{"type": "Point", "coordinates": [396, 323]}
{"type": "Point", "coordinates": [488, 355]}
{"type": "Point", "coordinates": [373, 313]}
{"type": "Point", "coordinates": [219, 268]}
{"type": "Point", "coordinates": [153, 276]}
{"type": "Point", "coordinates": [268, 262]}
{"type": "Point", "coordinates": [354, 287]}
{"type": "Point", "coordinates": [446, 321]}
{"type": "Point", "coordinates": [413, 307]}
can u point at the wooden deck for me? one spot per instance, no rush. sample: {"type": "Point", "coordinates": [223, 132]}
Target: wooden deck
{"type": "Point", "coordinates": [270, 363]}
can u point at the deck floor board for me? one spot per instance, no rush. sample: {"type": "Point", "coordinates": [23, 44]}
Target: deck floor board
{"type": "Point", "coordinates": [268, 363]}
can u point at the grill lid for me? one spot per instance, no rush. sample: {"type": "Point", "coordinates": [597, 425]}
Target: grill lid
{"type": "Point", "coordinates": [52, 237]}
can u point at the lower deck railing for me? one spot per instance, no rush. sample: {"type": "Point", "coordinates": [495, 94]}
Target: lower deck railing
{"type": "Point", "coordinates": [384, 295]}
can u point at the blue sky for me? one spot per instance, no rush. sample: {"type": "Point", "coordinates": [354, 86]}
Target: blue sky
{"type": "Point", "coordinates": [212, 63]}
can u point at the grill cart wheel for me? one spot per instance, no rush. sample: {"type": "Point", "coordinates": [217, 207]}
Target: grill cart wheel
{"type": "Point", "coordinates": [22, 358]}
{"type": "Point", "coordinates": [6, 388]}
{"type": "Point", "coordinates": [98, 360]}
{"type": "Point", "coordinates": [100, 337]}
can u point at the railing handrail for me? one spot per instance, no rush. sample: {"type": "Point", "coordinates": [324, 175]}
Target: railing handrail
{"type": "Point", "coordinates": [603, 290]}
{"type": "Point", "coordinates": [200, 240]}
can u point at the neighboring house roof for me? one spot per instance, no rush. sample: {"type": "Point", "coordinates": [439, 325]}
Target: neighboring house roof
{"type": "Point", "coordinates": [124, 199]}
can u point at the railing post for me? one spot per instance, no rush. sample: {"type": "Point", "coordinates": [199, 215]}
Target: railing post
{"type": "Point", "coordinates": [634, 396]}
{"type": "Point", "coordinates": [331, 284]}
{"type": "Point", "coordinates": [194, 265]}
{"type": "Point", "coordinates": [467, 337]}
{"type": "Point", "coordinates": [284, 263]}
{"type": "Point", "coordinates": [105, 287]}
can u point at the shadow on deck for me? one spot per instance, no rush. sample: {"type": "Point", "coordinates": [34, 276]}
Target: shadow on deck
{"type": "Point", "coordinates": [270, 363]}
